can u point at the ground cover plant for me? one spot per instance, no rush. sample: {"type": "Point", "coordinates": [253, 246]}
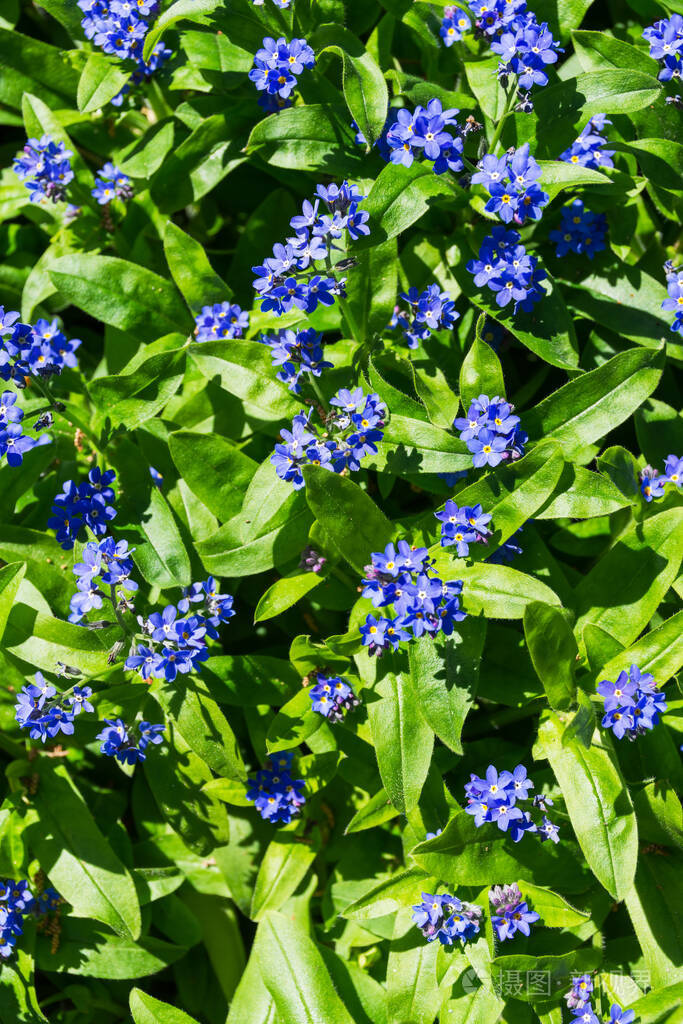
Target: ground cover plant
{"type": "Point", "coordinates": [341, 457]}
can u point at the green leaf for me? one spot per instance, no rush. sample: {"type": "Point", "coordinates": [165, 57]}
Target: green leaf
{"type": "Point", "coordinates": [148, 1010]}
{"type": "Point", "coordinates": [120, 293]}
{"type": "Point", "coordinates": [376, 811]}
{"type": "Point", "coordinates": [626, 300]}
{"type": "Point", "coordinates": [284, 593]}
{"type": "Point", "coordinates": [130, 399]}
{"type": "Point", "coordinates": [77, 858]}
{"type": "Point", "coordinates": [659, 651]}
{"type": "Point", "coordinates": [181, 10]}
{"type": "Point", "coordinates": [190, 269]}
{"type": "Point", "coordinates": [553, 651]}
{"type": "Point", "coordinates": [244, 369]}
{"type": "Point", "coordinates": [570, 104]}
{"type": "Point", "coordinates": [591, 406]}
{"type": "Point", "coordinates": [585, 496]}
{"type": "Point", "coordinates": [225, 554]}
{"type": "Point", "coordinates": [284, 866]}
{"type": "Point", "coordinates": [660, 160]}
{"type": "Point", "coordinates": [314, 137]}
{"type": "Point", "coordinates": [599, 50]}
{"type": "Point", "coordinates": [414, 446]}
{"type": "Point", "coordinates": [295, 974]}
{"type": "Point", "coordinates": [557, 175]}
{"type": "Point", "coordinates": [403, 741]}
{"type": "Point", "coordinates": [387, 896]}
{"type": "Point", "coordinates": [201, 161]}
{"type": "Point", "coordinates": [32, 66]}
{"type": "Point", "coordinates": [554, 910]}
{"type": "Point", "coordinates": [658, 428]}
{"type": "Point", "coordinates": [556, 971]}
{"type": "Point", "coordinates": [498, 591]}
{"type": "Point", "coordinates": [444, 675]}
{"type": "Point", "coordinates": [399, 197]}
{"type": "Point", "coordinates": [214, 469]}
{"type": "Point", "coordinates": [365, 88]}
{"type": "Point", "coordinates": [18, 998]}
{"type": "Point", "coordinates": [101, 79]}
{"type": "Point", "coordinates": [412, 990]}
{"type": "Point", "coordinates": [347, 514]}
{"type": "Point", "coordinates": [161, 558]}
{"type": "Point", "coordinates": [623, 591]}
{"type": "Point", "coordinates": [176, 777]}
{"type": "Point", "coordinates": [598, 804]}
{"type": "Point", "coordinates": [93, 952]}
{"type": "Point", "coordinates": [202, 725]}
{"type": "Point", "coordinates": [293, 723]}
{"type": "Point", "coordinates": [467, 855]}
{"type": "Point", "coordinates": [10, 581]}
{"type": "Point", "coordinates": [481, 372]}
{"type": "Point", "coordinates": [654, 907]}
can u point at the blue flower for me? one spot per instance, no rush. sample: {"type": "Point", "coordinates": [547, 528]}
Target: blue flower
{"type": "Point", "coordinates": [506, 268]}
{"type": "Point", "coordinates": [580, 992]}
{"type": "Point", "coordinates": [429, 310]}
{"type": "Point", "coordinates": [119, 28]}
{"type": "Point", "coordinates": [222, 320]}
{"type": "Point", "coordinates": [278, 64]}
{"type": "Point", "coordinates": [674, 287]}
{"type": "Point", "coordinates": [117, 741]}
{"type": "Point", "coordinates": [111, 183]}
{"type": "Point", "coordinates": [616, 1014]}
{"type": "Point", "coordinates": [633, 703]}
{"type": "Point", "coordinates": [673, 470]}
{"type": "Point", "coordinates": [332, 697]}
{"type": "Point", "coordinates": [423, 134]}
{"type": "Point", "coordinates": [275, 794]}
{"type": "Point", "coordinates": [446, 917]}
{"type": "Point", "coordinates": [666, 45]}
{"type": "Point", "coordinates": [513, 913]}
{"type": "Point", "coordinates": [587, 150]}
{"type": "Point", "coordinates": [580, 231]}
{"type": "Point", "coordinates": [455, 23]}
{"type": "Point", "coordinates": [83, 505]}
{"type": "Point", "coordinates": [511, 181]}
{"type": "Point", "coordinates": [45, 168]}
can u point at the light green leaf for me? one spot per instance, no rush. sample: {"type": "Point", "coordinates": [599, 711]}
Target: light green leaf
{"type": "Point", "coordinates": [181, 10]}
{"type": "Point", "coordinates": [365, 88]}
{"type": "Point", "coordinates": [553, 651]}
{"type": "Point", "coordinates": [598, 803]}
{"type": "Point", "coordinates": [403, 741]}
{"type": "Point", "coordinates": [284, 593]}
{"type": "Point", "coordinates": [214, 468]}
{"type": "Point", "coordinates": [101, 79]}
{"type": "Point", "coordinates": [284, 866]}
{"type": "Point", "coordinates": [190, 268]}
{"type": "Point", "coordinates": [481, 372]}
{"type": "Point", "coordinates": [148, 1010]}
{"type": "Point", "coordinates": [244, 369]}
{"type": "Point", "coordinates": [77, 858]}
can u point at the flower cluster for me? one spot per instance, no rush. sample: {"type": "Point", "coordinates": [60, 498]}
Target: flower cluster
{"type": "Point", "coordinates": [45, 713]}
{"type": "Point", "coordinates": [276, 795]}
{"type": "Point", "coordinates": [512, 912]}
{"type": "Point", "coordinates": [587, 150]}
{"type": "Point", "coordinates": [455, 23]}
{"type": "Point", "coordinates": [674, 286]}
{"type": "Point", "coordinates": [491, 431]}
{"type": "Point", "coordinates": [117, 740]}
{"type": "Point", "coordinates": [580, 231]}
{"type": "Point", "coordinates": [42, 350]}
{"type": "Point", "coordinates": [423, 134]}
{"type": "Point", "coordinates": [580, 993]}
{"type": "Point", "coordinates": [17, 902]}
{"type": "Point", "coordinates": [288, 278]}
{"type": "Point", "coordinates": [85, 504]}
{"type": "Point", "coordinates": [666, 45]}
{"type": "Point", "coordinates": [45, 167]}
{"type": "Point", "coordinates": [119, 27]}
{"type": "Point", "coordinates": [497, 798]}
{"type": "Point", "coordinates": [507, 269]}
{"type": "Point", "coordinates": [105, 562]}
{"type": "Point", "coordinates": [429, 310]}
{"type": "Point", "coordinates": [352, 429]}
{"type": "Point", "coordinates": [282, 4]}
{"type": "Point", "coordinates": [633, 703]}
{"type": "Point", "coordinates": [332, 697]}
{"type": "Point", "coordinates": [446, 918]}
{"type": "Point", "coordinates": [463, 526]}
{"type": "Point", "coordinates": [277, 66]}
{"type": "Point", "coordinates": [179, 645]}
{"type": "Point", "coordinates": [511, 181]}
{"type": "Point", "coordinates": [111, 183]}
{"type": "Point", "coordinates": [13, 442]}
{"type": "Point", "coordinates": [311, 560]}
{"type": "Point", "coordinates": [222, 320]}
{"type": "Point", "coordinates": [579, 1002]}
{"type": "Point", "coordinates": [296, 353]}
{"type": "Point", "coordinates": [526, 51]}
{"type": "Point", "coordinates": [653, 484]}
{"type": "Point", "coordinates": [402, 578]}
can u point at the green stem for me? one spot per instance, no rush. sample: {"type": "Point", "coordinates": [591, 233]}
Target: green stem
{"type": "Point", "coordinates": [318, 393]}
{"type": "Point", "coordinates": [506, 113]}
{"type": "Point", "coordinates": [117, 611]}
{"type": "Point", "coordinates": [350, 320]}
